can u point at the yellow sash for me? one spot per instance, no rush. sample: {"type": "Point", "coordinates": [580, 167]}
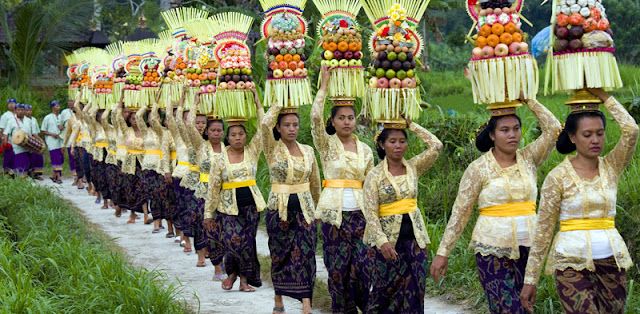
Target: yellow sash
{"type": "Point", "coordinates": [153, 152]}
{"type": "Point", "coordinates": [135, 151]}
{"type": "Point", "coordinates": [587, 224]}
{"type": "Point", "coordinates": [510, 209]}
{"type": "Point", "coordinates": [101, 144]}
{"type": "Point", "coordinates": [403, 206]}
{"type": "Point", "coordinates": [237, 185]}
{"type": "Point", "coordinates": [183, 163]}
{"type": "Point", "coordinates": [122, 147]}
{"type": "Point", "coordinates": [112, 152]}
{"type": "Point", "coordinates": [204, 177]}
{"type": "Point", "coordinates": [290, 188]}
{"type": "Point", "coordinates": [354, 184]}
{"type": "Point", "coordinates": [193, 167]}
{"type": "Point", "coordinates": [174, 155]}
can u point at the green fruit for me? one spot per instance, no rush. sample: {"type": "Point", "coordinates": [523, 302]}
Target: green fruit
{"type": "Point", "coordinates": [243, 71]}
{"type": "Point", "coordinates": [236, 71]}
{"type": "Point", "coordinates": [300, 51]}
{"type": "Point", "coordinates": [272, 58]}
{"type": "Point", "coordinates": [248, 71]}
{"type": "Point", "coordinates": [401, 75]}
{"type": "Point", "coordinates": [284, 51]}
{"type": "Point", "coordinates": [392, 56]}
{"type": "Point", "coordinates": [292, 51]}
{"type": "Point", "coordinates": [198, 71]}
{"type": "Point", "coordinates": [224, 71]}
{"type": "Point", "coordinates": [410, 73]}
{"type": "Point", "coordinates": [391, 73]}
{"type": "Point", "coordinates": [380, 72]}
{"type": "Point", "coordinates": [402, 56]}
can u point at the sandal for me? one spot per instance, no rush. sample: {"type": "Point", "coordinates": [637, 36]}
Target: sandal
{"type": "Point", "coordinates": [219, 278]}
{"type": "Point", "coordinates": [155, 231]}
{"type": "Point", "coordinates": [278, 310]}
{"type": "Point", "coordinates": [170, 235]}
{"type": "Point", "coordinates": [148, 221]}
{"type": "Point", "coordinates": [204, 264]}
{"type": "Point", "coordinates": [226, 285]}
{"type": "Point", "coordinates": [131, 221]}
{"type": "Point", "coordinates": [247, 288]}
{"type": "Point", "coordinates": [183, 243]}
{"type": "Point", "coordinates": [98, 200]}
{"type": "Point", "coordinates": [187, 249]}
{"type": "Point", "coordinates": [177, 240]}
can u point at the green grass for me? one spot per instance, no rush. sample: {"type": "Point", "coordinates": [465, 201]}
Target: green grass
{"type": "Point", "coordinates": [53, 261]}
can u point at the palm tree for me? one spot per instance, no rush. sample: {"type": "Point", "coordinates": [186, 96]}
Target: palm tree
{"type": "Point", "coordinates": [37, 27]}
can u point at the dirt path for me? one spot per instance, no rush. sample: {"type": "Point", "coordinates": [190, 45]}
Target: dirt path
{"type": "Point", "coordinates": [154, 251]}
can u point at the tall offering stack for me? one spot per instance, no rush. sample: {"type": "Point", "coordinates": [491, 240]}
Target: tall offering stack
{"type": "Point", "coordinates": [396, 46]}
{"type": "Point", "coordinates": [182, 61]}
{"type": "Point", "coordinates": [73, 72]}
{"type": "Point", "coordinates": [101, 78]}
{"type": "Point", "coordinates": [150, 69]}
{"type": "Point", "coordinates": [234, 99]}
{"type": "Point", "coordinates": [501, 66]}
{"type": "Point", "coordinates": [203, 68]}
{"type": "Point", "coordinates": [118, 62]}
{"type": "Point", "coordinates": [133, 75]}
{"type": "Point", "coordinates": [284, 28]}
{"type": "Point", "coordinates": [341, 41]}
{"type": "Point", "coordinates": [582, 46]}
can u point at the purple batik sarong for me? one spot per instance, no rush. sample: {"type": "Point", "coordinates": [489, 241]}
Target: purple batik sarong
{"type": "Point", "coordinates": [239, 234]}
{"type": "Point", "coordinates": [502, 279]}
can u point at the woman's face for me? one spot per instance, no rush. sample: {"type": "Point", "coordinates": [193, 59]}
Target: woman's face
{"type": "Point", "coordinates": [237, 137]}
{"type": "Point", "coordinates": [395, 145]}
{"type": "Point", "coordinates": [589, 137]}
{"type": "Point", "coordinates": [289, 127]}
{"type": "Point", "coordinates": [507, 135]}
{"type": "Point", "coordinates": [201, 123]}
{"type": "Point", "coordinates": [344, 122]}
{"type": "Point", "coordinates": [215, 132]}
{"type": "Point", "coordinates": [133, 120]}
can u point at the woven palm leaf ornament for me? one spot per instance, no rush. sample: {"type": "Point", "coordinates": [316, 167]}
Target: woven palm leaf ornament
{"type": "Point", "coordinates": [164, 51]}
{"type": "Point", "coordinates": [118, 62]}
{"type": "Point", "coordinates": [101, 79]}
{"type": "Point", "coordinates": [133, 75]}
{"type": "Point", "coordinates": [74, 76]}
{"type": "Point", "coordinates": [395, 46]}
{"type": "Point", "coordinates": [341, 42]}
{"type": "Point", "coordinates": [234, 99]}
{"type": "Point", "coordinates": [203, 66]}
{"type": "Point", "coordinates": [284, 28]}
{"type": "Point", "coordinates": [83, 55]}
{"type": "Point", "coordinates": [150, 70]}
{"type": "Point", "coordinates": [183, 64]}
{"type": "Point", "coordinates": [501, 66]}
{"type": "Point", "coordinates": [582, 48]}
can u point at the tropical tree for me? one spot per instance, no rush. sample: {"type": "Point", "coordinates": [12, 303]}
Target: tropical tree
{"type": "Point", "coordinates": [37, 27]}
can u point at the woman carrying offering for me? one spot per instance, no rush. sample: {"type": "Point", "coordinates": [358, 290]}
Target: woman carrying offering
{"type": "Point", "coordinates": [295, 189]}
{"type": "Point", "coordinates": [345, 162]}
{"type": "Point", "coordinates": [588, 254]}
{"type": "Point", "coordinates": [233, 193]}
{"type": "Point", "coordinates": [503, 183]}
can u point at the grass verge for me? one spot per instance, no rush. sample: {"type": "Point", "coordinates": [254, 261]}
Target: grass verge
{"type": "Point", "coordinates": [51, 261]}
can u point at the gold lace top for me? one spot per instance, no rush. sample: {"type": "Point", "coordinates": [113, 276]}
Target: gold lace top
{"type": "Point", "coordinates": [151, 160]}
{"type": "Point", "coordinates": [223, 171]}
{"type": "Point", "coordinates": [198, 149]}
{"type": "Point", "coordinates": [180, 170]}
{"type": "Point", "coordinates": [85, 140]}
{"type": "Point", "coordinates": [110, 133]}
{"type": "Point", "coordinates": [167, 145]}
{"type": "Point", "coordinates": [121, 149]}
{"type": "Point", "coordinates": [205, 159]}
{"type": "Point", "coordinates": [98, 134]}
{"type": "Point", "coordinates": [73, 127]}
{"type": "Point", "coordinates": [287, 169]}
{"type": "Point", "coordinates": [567, 196]}
{"type": "Point", "coordinates": [337, 164]}
{"type": "Point", "coordinates": [132, 142]}
{"type": "Point", "coordinates": [488, 184]}
{"type": "Point", "coordinates": [381, 187]}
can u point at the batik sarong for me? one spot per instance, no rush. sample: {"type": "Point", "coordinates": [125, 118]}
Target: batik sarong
{"type": "Point", "coordinates": [601, 291]}
{"type": "Point", "coordinates": [183, 197]}
{"type": "Point", "coordinates": [239, 234]}
{"type": "Point", "coordinates": [132, 193]}
{"type": "Point", "coordinates": [398, 286]}
{"type": "Point", "coordinates": [111, 181]}
{"type": "Point", "coordinates": [502, 279]}
{"type": "Point", "coordinates": [86, 164]}
{"type": "Point", "coordinates": [158, 192]}
{"type": "Point", "coordinates": [348, 261]}
{"type": "Point", "coordinates": [292, 244]}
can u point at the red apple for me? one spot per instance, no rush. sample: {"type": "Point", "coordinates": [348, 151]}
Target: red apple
{"type": "Point", "coordinates": [383, 82]}
{"type": "Point", "coordinates": [515, 48]}
{"type": "Point", "coordinates": [395, 83]}
{"type": "Point", "coordinates": [487, 52]}
{"type": "Point", "coordinates": [501, 50]}
{"type": "Point", "coordinates": [524, 47]}
{"type": "Point", "coordinates": [477, 52]}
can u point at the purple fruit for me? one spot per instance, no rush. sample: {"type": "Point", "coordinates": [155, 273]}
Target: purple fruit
{"type": "Point", "coordinates": [244, 77]}
{"type": "Point", "coordinates": [406, 65]}
{"type": "Point", "coordinates": [348, 55]}
{"type": "Point", "coordinates": [274, 51]}
{"type": "Point", "coordinates": [413, 63]}
{"type": "Point", "coordinates": [250, 78]}
{"type": "Point", "coordinates": [562, 32]}
{"type": "Point", "coordinates": [409, 56]}
{"type": "Point", "coordinates": [575, 44]}
{"type": "Point", "coordinates": [269, 73]}
{"type": "Point", "coordinates": [396, 65]}
{"type": "Point", "coordinates": [236, 78]}
{"type": "Point", "coordinates": [386, 64]}
{"type": "Point", "coordinates": [576, 32]}
{"type": "Point", "coordinates": [382, 55]}
{"type": "Point", "coordinates": [228, 78]}
{"type": "Point", "coordinates": [303, 57]}
{"type": "Point", "coordinates": [561, 45]}
{"type": "Point", "coordinates": [376, 63]}
{"type": "Point", "coordinates": [357, 55]}
{"type": "Point", "coordinates": [337, 55]}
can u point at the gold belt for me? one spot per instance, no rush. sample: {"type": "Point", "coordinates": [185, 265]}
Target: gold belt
{"type": "Point", "coordinates": [236, 185]}
{"type": "Point", "coordinates": [510, 209]}
{"type": "Point", "coordinates": [354, 184]}
{"type": "Point", "coordinates": [290, 188]}
{"type": "Point", "coordinates": [403, 206]}
{"type": "Point", "coordinates": [101, 144]}
{"type": "Point", "coordinates": [153, 152]}
{"type": "Point", "coordinates": [587, 224]}
{"type": "Point", "coordinates": [204, 177]}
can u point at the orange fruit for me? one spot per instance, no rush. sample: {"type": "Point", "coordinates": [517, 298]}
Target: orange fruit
{"type": "Point", "coordinates": [273, 65]}
{"type": "Point", "coordinates": [353, 46]}
{"type": "Point", "coordinates": [325, 45]}
{"type": "Point", "coordinates": [202, 77]}
{"type": "Point", "coordinates": [485, 30]}
{"type": "Point", "coordinates": [510, 28]}
{"type": "Point", "coordinates": [293, 65]}
{"type": "Point", "coordinates": [359, 46]}
{"type": "Point", "coordinates": [343, 46]}
{"type": "Point", "coordinates": [506, 38]}
{"type": "Point", "coordinates": [283, 65]}
{"type": "Point", "coordinates": [288, 58]}
{"type": "Point", "coordinates": [517, 37]}
{"type": "Point", "coordinates": [333, 47]}
{"type": "Point", "coordinates": [481, 41]}
{"type": "Point", "coordinates": [296, 58]}
{"type": "Point", "coordinates": [279, 58]}
{"type": "Point", "coordinates": [497, 29]}
{"type": "Point", "coordinates": [493, 40]}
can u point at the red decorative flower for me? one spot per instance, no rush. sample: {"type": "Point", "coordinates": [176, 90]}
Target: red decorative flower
{"type": "Point", "coordinates": [406, 36]}
{"type": "Point", "coordinates": [473, 2]}
{"type": "Point", "coordinates": [344, 23]}
{"type": "Point", "coordinates": [385, 31]}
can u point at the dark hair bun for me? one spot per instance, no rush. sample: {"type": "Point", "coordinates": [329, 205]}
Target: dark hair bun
{"type": "Point", "coordinates": [563, 144]}
{"type": "Point", "coordinates": [484, 141]}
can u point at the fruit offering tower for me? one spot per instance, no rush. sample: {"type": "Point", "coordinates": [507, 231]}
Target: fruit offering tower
{"type": "Point", "coordinates": [501, 66]}
{"type": "Point", "coordinates": [234, 99]}
{"type": "Point", "coordinates": [181, 64]}
{"type": "Point", "coordinates": [396, 46]}
{"type": "Point", "coordinates": [118, 62]}
{"type": "Point", "coordinates": [101, 79]}
{"type": "Point", "coordinates": [149, 67]}
{"type": "Point", "coordinates": [582, 45]}
{"type": "Point", "coordinates": [73, 74]}
{"type": "Point", "coordinates": [284, 28]}
{"type": "Point", "coordinates": [341, 42]}
{"type": "Point", "coordinates": [133, 75]}
{"type": "Point", "coordinates": [165, 54]}
{"type": "Point", "coordinates": [203, 66]}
